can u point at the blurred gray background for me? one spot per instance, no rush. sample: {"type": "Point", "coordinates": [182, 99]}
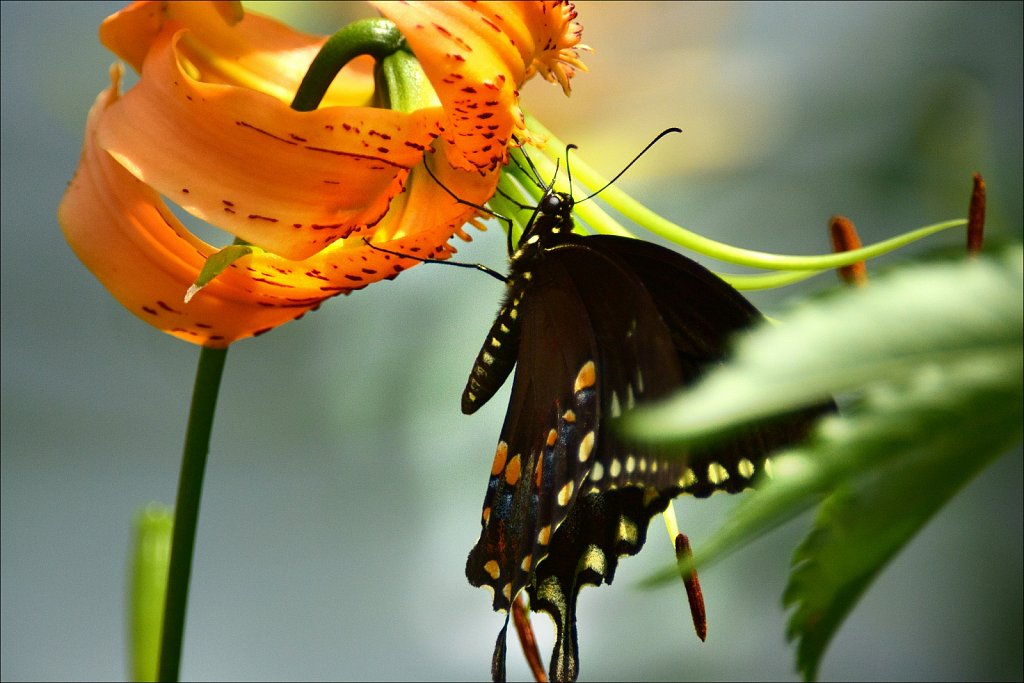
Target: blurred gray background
{"type": "Point", "coordinates": [344, 485]}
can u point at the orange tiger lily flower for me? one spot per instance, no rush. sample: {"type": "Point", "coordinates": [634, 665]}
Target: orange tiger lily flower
{"type": "Point", "coordinates": [208, 127]}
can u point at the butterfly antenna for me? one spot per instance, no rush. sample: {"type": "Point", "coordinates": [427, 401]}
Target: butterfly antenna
{"type": "Point", "coordinates": [637, 157]}
{"type": "Point", "coordinates": [568, 171]}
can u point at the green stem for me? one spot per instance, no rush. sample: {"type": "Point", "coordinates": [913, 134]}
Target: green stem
{"type": "Point", "coordinates": [375, 37]}
{"type": "Point", "coordinates": [186, 510]}
{"type": "Point", "coordinates": [641, 215]}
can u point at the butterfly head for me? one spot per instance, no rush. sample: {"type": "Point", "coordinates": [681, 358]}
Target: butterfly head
{"type": "Point", "coordinates": [552, 218]}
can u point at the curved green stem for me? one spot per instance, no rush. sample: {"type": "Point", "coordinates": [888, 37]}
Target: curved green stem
{"type": "Point", "coordinates": [186, 509]}
{"type": "Point", "coordinates": [375, 37]}
{"type": "Point", "coordinates": [658, 225]}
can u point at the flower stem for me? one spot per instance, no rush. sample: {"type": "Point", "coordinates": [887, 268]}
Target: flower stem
{"type": "Point", "coordinates": [186, 510]}
{"type": "Point", "coordinates": [375, 37]}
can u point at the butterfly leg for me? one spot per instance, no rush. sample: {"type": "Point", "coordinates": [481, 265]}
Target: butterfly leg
{"type": "Point", "coordinates": [476, 266]}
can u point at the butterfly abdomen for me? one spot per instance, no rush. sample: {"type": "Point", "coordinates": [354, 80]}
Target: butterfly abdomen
{"type": "Point", "coordinates": [498, 354]}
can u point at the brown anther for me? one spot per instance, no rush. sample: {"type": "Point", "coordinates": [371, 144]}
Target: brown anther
{"type": "Point", "coordinates": [521, 619]}
{"type": "Point", "coordinates": [976, 216]}
{"type": "Point", "coordinates": [693, 593]}
{"type": "Point", "coordinates": [845, 238]}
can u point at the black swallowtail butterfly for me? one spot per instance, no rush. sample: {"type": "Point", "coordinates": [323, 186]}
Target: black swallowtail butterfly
{"type": "Point", "coordinates": [594, 325]}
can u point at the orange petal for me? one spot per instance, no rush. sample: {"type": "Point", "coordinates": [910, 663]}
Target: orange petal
{"type": "Point", "coordinates": [223, 45]}
{"type": "Point", "coordinates": [474, 68]}
{"type": "Point", "coordinates": [476, 56]}
{"type": "Point", "coordinates": [124, 233]}
{"type": "Point", "coordinates": [289, 182]}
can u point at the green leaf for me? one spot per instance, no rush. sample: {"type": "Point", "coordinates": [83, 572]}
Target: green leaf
{"type": "Point", "coordinates": [918, 447]}
{"type": "Point", "coordinates": [933, 354]}
{"type": "Point", "coordinates": [216, 263]}
{"type": "Point", "coordinates": [922, 315]}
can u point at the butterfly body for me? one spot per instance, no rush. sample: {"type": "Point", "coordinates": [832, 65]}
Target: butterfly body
{"type": "Point", "coordinates": [592, 326]}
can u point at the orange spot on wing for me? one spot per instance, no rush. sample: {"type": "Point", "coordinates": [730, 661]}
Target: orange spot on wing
{"type": "Point", "coordinates": [513, 471]}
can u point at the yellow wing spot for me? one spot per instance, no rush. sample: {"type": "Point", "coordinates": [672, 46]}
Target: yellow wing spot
{"type": "Point", "coordinates": [586, 376]}
{"type": "Point", "coordinates": [766, 466]}
{"type": "Point", "coordinates": [566, 493]}
{"type": "Point", "coordinates": [503, 327]}
{"type": "Point", "coordinates": [471, 395]}
{"type": "Point", "coordinates": [538, 472]}
{"type": "Point", "coordinates": [596, 472]}
{"type": "Point", "coordinates": [513, 314]}
{"type": "Point", "coordinates": [551, 591]}
{"type": "Point", "coordinates": [595, 560]}
{"type": "Point", "coordinates": [486, 516]}
{"type": "Point", "coordinates": [639, 381]}
{"type": "Point", "coordinates": [528, 275]}
{"type": "Point", "coordinates": [630, 464]}
{"type": "Point", "coordinates": [746, 468]}
{"type": "Point", "coordinates": [487, 358]}
{"type": "Point", "coordinates": [507, 591]}
{"type": "Point", "coordinates": [688, 479]}
{"type": "Point", "coordinates": [552, 437]}
{"type": "Point", "coordinates": [493, 569]}
{"type": "Point", "coordinates": [717, 474]}
{"type": "Point", "coordinates": [495, 342]}
{"type": "Point", "coordinates": [627, 530]}
{"type": "Point", "coordinates": [544, 535]}
{"type": "Point", "coordinates": [513, 470]}
{"type": "Point", "coordinates": [643, 464]}
{"type": "Point", "coordinates": [586, 447]}
{"type": "Point", "coordinates": [527, 563]}
{"type": "Point", "coordinates": [630, 398]}
{"type": "Point", "coordinates": [615, 409]}
{"type": "Point", "coordinates": [500, 455]}
{"type": "Point", "coordinates": [615, 469]}
{"type": "Point", "coordinates": [569, 416]}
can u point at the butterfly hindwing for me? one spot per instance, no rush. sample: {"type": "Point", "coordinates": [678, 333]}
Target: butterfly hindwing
{"type": "Point", "coordinates": [703, 314]}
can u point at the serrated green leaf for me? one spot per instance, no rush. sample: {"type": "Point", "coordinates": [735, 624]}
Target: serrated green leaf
{"type": "Point", "coordinates": [930, 314]}
{"type": "Point", "coordinates": [935, 355]}
{"type": "Point", "coordinates": [924, 448]}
